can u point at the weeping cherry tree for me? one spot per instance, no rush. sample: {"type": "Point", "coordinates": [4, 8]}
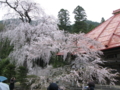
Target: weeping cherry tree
{"type": "Point", "coordinates": [38, 39]}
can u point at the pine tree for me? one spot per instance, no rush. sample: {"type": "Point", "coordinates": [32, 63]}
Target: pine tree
{"type": "Point", "coordinates": [102, 20]}
{"type": "Point", "coordinates": [64, 23]}
{"type": "Point", "coordinates": [80, 17]}
{"type": "Point", "coordinates": [80, 14]}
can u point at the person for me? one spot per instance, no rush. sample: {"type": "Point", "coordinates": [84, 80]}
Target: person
{"type": "Point", "coordinates": [91, 85]}
{"type": "Point", "coordinates": [4, 86]}
{"type": "Point", "coordinates": [53, 86]}
{"type": "Point", "coordinates": [12, 81]}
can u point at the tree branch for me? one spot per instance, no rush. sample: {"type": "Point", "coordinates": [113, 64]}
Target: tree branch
{"type": "Point", "coordinates": [23, 16]}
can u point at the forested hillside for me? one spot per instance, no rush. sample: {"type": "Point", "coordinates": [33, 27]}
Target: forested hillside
{"type": "Point", "coordinates": [91, 25]}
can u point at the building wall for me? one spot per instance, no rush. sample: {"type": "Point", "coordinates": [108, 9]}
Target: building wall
{"type": "Point", "coordinates": [112, 56]}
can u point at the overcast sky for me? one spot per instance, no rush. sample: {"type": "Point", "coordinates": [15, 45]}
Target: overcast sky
{"type": "Point", "coordinates": [95, 9]}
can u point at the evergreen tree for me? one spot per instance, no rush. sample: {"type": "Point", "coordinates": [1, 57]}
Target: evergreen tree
{"type": "Point", "coordinates": [63, 16]}
{"type": "Point", "coordinates": [9, 71]}
{"type": "Point", "coordinates": [5, 48]}
{"type": "Point", "coordinates": [80, 27]}
{"type": "Point", "coordinates": [80, 17]}
{"type": "Point", "coordinates": [90, 27]}
{"type": "Point", "coordinates": [80, 14]}
{"type": "Point", "coordinates": [3, 64]}
{"type": "Point", "coordinates": [102, 20]}
{"type": "Point", "coordinates": [22, 75]}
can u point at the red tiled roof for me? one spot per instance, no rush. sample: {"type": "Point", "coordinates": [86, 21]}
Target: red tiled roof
{"type": "Point", "coordinates": [108, 33]}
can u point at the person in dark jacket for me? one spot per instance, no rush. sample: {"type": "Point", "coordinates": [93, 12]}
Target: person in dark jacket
{"type": "Point", "coordinates": [91, 85]}
{"type": "Point", "coordinates": [53, 86]}
{"type": "Point", "coordinates": [12, 81]}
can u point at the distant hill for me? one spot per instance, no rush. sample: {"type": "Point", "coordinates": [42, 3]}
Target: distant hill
{"type": "Point", "coordinates": [1, 21]}
{"type": "Point", "coordinates": [91, 25]}
{"type": "Point", "coordinates": [92, 22]}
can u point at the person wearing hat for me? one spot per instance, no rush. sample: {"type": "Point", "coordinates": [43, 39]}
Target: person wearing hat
{"type": "Point", "coordinates": [91, 85]}
{"type": "Point", "coordinates": [53, 86]}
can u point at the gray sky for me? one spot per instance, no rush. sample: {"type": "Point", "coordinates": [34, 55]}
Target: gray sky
{"type": "Point", "coordinates": [95, 9]}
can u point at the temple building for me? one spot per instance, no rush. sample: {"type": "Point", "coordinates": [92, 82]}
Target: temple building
{"type": "Point", "coordinates": [108, 34]}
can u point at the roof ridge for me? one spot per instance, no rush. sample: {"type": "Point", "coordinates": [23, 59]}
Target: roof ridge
{"type": "Point", "coordinates": [105, 27]}
{"type": "Point", "coordinates": [108, 32]}
{"type": "Point", "coordinates": [113, 34]}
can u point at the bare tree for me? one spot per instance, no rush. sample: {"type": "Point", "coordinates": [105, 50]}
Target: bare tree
{"type": "Point", "coordinates": [26, 10]}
